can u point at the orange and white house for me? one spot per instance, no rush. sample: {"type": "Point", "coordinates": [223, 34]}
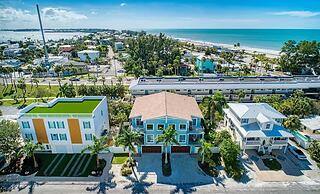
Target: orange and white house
{"type": "Point", "coordinates": [65, 125]}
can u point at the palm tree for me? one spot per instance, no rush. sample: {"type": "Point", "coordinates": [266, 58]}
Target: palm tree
{"type": "Point", "coordinates": [241, 94]}
{"type": "Point", "coordinates": [103, 79]}
{"type": "Point", "coordinates": [204, 150]}
{"type": "Point", "coordinates": [127, 139]}
{"type": "Point", "coordinates": [36, 81]}
{"type": "Point", "coordinates": [22, 85]}
{"type": "Point", "coordinates": [167, 138]}
{"type": "Point", "coordinates": [98, 145]}
{"type": "Point", "coordinates": [28, 150]}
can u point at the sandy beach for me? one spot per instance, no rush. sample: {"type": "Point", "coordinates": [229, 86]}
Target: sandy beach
{"type": "Point", "coordinates": [269, 53]}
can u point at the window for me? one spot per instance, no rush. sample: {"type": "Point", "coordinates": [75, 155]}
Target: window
{"type": "Point", "coordinates": [160, 126]}
{"type": "Point", "coordinates": [88, 136]}
{"type": "Point", "coordinates": [279, 120]}
{"type": "Point", "coordinates": [139, 122]}
{"type": "Point", "coordinates": [86, 125]}
{"type": "Point", "coordinates": [173, 126]}
{"type": "Point", "coordinates": [182, 138]}
{"type": "Point", "coordinates": [101, 112]}
{"type": "Point", "coordinates": [25, 124]}
{"type": "Point", "coordinates": [51, 124]}
{"type": "Point", "coordinates": [183, 127]}
{"type": "Point", "coordinates": [149, 127]}
{"type": "Point", "coordinates": [60, 124]}
{"type": "Point", "coordinates": [28, 136]}
{"type": "Point", "coordinates": [63, 137]}
{"type": "Point", "coordinates": [150, 138]}
{"type": "Point", "coordinates": [268, 126]}
{"type": "Point", "coordinates": [244, 120]}
{"type": "Point", "coordinates": [54, 137]}
{"type": "Point", "coordinates": [194, 122]}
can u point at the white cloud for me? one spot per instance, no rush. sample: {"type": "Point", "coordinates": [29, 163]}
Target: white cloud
{"type": "Point", "coordinates": [123, 4]}
{"type": "Point", "coordinates": [60, 14]}
{"type": "Point", "coordinates": [11, 14]}
{"type": "Point", "coordinates": [297, 13]}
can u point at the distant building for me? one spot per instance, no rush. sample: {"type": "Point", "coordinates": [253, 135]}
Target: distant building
{"type": "Point", "coordinates": [257, 126]}
{"type": "Point", "coordinates": [53, 60]}
{"type": "Point", "coordinates": [106, 41]}
{"type": "Point", "coordinates": [205, 64]}
{"type": "Point", "coordinates": [152, 114]}
{"type": "Point", "coordinates": [65, 125]}
{"type": "Point", "coordinates": [11, 63]}
{"type": "Point", "coordinates": [118, 46]}
{"type": "Point", "coordinates": [65, 48]}
{"type": "Point", "coordinates": [311, 125]}
{"type": "Point", "coordinates": [12, 52]}
{"type": "Point", "coordinates": [92, 54]}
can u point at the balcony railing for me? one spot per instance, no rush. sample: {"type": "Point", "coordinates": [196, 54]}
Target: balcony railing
{"type": "Point", "coordinates": [193, 128]}
{"type": "Point", "coordinates": [280, 142]}
{"type": "Point", "coordinates": [253, 143]}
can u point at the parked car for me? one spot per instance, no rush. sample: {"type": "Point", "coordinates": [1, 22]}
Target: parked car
{"type": "Point", "coordinates": [74, 79]}
{"type": "Point", "coordinates": [121, 71]}
{"type": "Point", "coordinates": [297, 153]}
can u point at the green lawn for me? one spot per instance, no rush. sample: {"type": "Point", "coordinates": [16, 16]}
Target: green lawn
{"type": "Point", "coordinates": [86, 106]}
{"type": "Point", "coordinates": [272, 164]}
{"type": "Point", "coordinates": [8, 91]}
{"type": "Point", "coordinates": [119, 158]}
{"type": "Point", "coordinates": [69, 162]}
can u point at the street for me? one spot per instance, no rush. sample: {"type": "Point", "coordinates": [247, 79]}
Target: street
{"type": "Point", "coordinates": [85, 187]}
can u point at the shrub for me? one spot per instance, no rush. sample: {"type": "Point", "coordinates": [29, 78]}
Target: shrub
{"type": "Point", "coordinates": [314, 151]}
{"type": "Point", "coordinates": [260, 153]}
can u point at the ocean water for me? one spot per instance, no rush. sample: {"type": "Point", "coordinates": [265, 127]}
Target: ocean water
{"type": "Point", "coordinates": [36, 35]}
{"type": "Point", "coordinates": [271, 39]}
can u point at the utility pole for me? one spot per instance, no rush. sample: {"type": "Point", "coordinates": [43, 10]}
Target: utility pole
{"type": "Point", "coordinates": [46, 58]}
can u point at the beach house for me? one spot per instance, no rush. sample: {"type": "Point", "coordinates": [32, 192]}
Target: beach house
{"type": "Point", "coordinates": [65, 125]}
{"type": "Point", "coordinates": [205, 64]}
{"type": "Point", "coordinates": [152, 114]}
{"type": "Point", "coordinates": [257, 126]}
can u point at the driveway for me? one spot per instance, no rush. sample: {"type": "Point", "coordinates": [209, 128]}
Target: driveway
{"type": "Point", "coordinates": [292, 168]}
{"type": "Point", "coordinates": [185, 169]}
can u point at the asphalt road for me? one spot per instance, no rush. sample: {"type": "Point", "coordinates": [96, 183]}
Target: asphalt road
{"type": "Point", "coordinates": [57, 188]}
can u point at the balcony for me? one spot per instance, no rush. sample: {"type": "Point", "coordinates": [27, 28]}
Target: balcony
{"type": "Point", "coordinates": [253, 143]}
{"type": "Point", "coordinates": [194, 139]}
{"type": "Point", "coordinates": [280, 142]}
{"type": "Point", "coordinates": [194, 129]}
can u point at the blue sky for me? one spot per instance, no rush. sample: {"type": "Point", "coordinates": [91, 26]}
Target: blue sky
{"type": "Point", "coordinates": [150, 14]}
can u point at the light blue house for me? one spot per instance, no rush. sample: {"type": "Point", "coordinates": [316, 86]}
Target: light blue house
{"type": "Point", "coordinates": [152, 114]}
{"type": "Point", "coordinates": [205, 64]}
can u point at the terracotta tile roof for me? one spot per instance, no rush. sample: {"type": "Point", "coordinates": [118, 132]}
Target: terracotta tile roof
{"type": "Point", "coordinates": [165, 104]}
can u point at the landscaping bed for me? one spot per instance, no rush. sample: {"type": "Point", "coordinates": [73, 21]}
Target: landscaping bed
{"type": "Point", "coordinates": [209, 167]}
{"type": "Point", "coordinates": [166, 168]}
{"type": "Point", "coordinates": [272, 164]}
{"type": "Point", "coordinates": [120, 158]}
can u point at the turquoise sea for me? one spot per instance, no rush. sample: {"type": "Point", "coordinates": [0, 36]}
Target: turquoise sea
{"type": "Point", "coordinates": [271, 39]}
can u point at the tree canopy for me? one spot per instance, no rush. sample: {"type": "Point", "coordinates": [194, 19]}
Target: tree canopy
{"type": "Point", "coordinates": [148, 53]}
{"type": "Point", "coordinates": [300, 57]}
{"type": "Point", "coordinates": [9, 139]}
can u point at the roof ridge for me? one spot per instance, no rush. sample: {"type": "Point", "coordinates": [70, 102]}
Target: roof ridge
{"type": "Point", "coordinates": [165, 103]}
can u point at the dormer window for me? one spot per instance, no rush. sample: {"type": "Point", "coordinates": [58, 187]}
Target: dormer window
{"type": "Point", "coordinates": [268, 126]}
{"type": "Point", "coordinates": [244, 121]}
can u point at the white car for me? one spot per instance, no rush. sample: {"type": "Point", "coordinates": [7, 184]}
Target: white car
{"type": "Point", "coordinates": [297, 153]}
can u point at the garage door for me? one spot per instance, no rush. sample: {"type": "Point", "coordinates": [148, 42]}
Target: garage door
{"type": "Point", "coordinates": [151, 149]}
{"type": "Point", "coordinates": [180, 149]}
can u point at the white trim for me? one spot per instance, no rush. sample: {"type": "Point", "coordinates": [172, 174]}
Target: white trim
{"type": "Point", "coordinates": [163, 127]}
{"type": "Point", "coordinates": [147, 138]}
{"type": "Point", "coordinates": [185, 139]}
{"type": "Point", "coordinates": [183, 129]}
{"type": "Point", "coordinates": [147, 127]}
{"type": "Point", "coordinates": [175, 126]}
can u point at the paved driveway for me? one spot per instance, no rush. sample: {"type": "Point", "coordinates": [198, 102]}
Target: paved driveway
{"type": "Point", "coordinates": [184, 169]}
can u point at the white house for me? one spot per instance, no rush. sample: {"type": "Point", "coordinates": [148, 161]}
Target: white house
{"type": "Point", "coordinates": [65, 125]}
{"type": "Point", "coordinates": [92, 54]}
{"type": "Point", "coordinates": [257, 126]}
